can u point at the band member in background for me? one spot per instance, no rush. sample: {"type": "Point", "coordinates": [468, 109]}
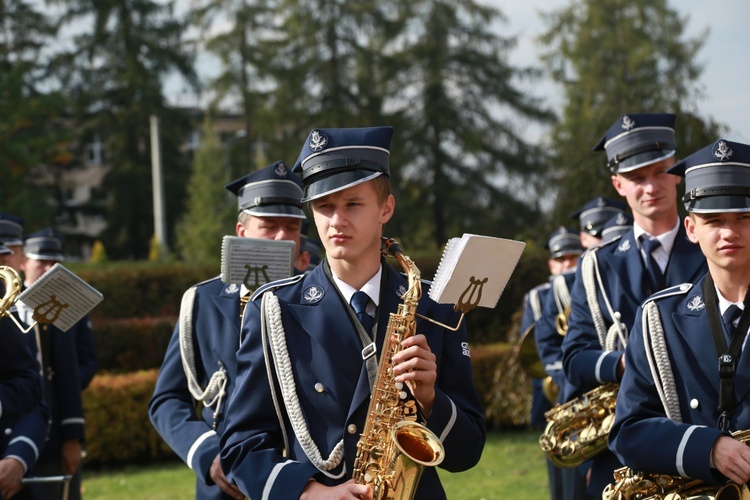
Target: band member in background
{"type": "Point", "coordinates": [593, 215]}
{"type": "Point", "coordinates": [655, 254]}
{"type": "Point", "coordinates": [565, 249]}
{"type": "Point", "coordinates": [311, 454]}
{"type": "Point", "coordinates": [64, 374]}
{"type": "Point", "coordinates": [270, 208]}
{"type": "Point", "coordinates": [675, 417]}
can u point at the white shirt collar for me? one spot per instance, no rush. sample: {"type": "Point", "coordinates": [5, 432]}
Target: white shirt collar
{"type": "Point", "coordinates": [371, 288]}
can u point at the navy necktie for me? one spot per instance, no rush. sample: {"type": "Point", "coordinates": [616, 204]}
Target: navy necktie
{"type": "Point", "coordinates": [729, 317]}
{"type": "Point", "coordinates": [359, 304]}
{"type": "Point", "coordinates": [652, 267]}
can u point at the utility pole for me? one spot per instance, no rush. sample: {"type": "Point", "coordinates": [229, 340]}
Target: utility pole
{"type": "Point", "coordinates": [160, 223]}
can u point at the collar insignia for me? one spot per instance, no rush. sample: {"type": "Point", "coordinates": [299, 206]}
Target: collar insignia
{"type": "Point", "coordinates": [627, 123]}
{"type": "Point", "coordinates": [231, 288]}
{"type": "Point", "coordinates": [696, 303]}
{"type": "Point", "coordinates": [400, 290]}
{"type": "Point", "coordinates": [624, 246]}
{"type": "Point", "coordinates": [318, 140]}
{"type": "Point", "coordinates": [722, 151]}
{"type": "Point", "coordinates": [312, 294]}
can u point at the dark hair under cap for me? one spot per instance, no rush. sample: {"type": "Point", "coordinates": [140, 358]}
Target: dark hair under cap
{"type": "Point", "coordinates": [273, 191]}
{"type": "Point", "coordinates": [717, 178]}
{"type": "Point", "coordinates": [334, 159]}
{"type": "Point", "coordinates": [564, 241]}
{"type": "Point", "coordinates": [638, 140]}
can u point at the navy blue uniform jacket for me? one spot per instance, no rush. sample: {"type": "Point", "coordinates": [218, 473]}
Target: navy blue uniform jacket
{"type": "Point", "coordinates": [642, 436]}
{"type": "Point", "coordinates": [20, 385]}
{"type": "Point", "coordinates": [333, 390]}
{"type": "Point", "coordinates": [216, 334]}
{"type": "Point", "coordinates": [625, 282]}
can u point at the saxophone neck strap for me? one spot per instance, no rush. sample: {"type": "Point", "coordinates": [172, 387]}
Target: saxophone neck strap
{"type": "Point", "coordinates": [369, 347]}
{"type": "Point", "coordinates": [727, 355]}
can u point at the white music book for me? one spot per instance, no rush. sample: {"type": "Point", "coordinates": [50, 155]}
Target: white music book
{"type": "Point", "coordinates": [474, 270]}
{"type": "Point", "coordinates": [255, 261]}
{"type": "Point", "coordinates": [60, 297]}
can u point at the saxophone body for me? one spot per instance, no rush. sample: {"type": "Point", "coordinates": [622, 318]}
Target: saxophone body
{"type": "Point", "coordinates": [394, 449]}
{"type": "Point", "coordinates": [577, 430]}
{"type": "Point", "coordinates": [634, 485]}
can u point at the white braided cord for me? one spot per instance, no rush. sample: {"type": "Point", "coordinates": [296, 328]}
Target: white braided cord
{"type": "Point", "coordinates": [536, 306]}
{"type": "Point", "coordinates": [658, 360]}
{"type": "Point", "coordinates": [561, 293]}
{"type": "Point", "coordinates": [616, 336]}
{"type": "Point", "coordinates": [215, 391]}
{"type": "Point", "coordinates": [269, 371]}
{"type": "Point", "coordinates": [285, 375]}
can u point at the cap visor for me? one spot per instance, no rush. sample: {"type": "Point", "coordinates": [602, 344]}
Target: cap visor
{"type": "Point", "coordinates": [337, 182]}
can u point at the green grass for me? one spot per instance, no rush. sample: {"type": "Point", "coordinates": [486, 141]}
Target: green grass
{"type": "Point", "coordinates": [512, 466]}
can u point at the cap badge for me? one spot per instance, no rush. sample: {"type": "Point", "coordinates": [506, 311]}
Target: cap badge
{"type": "Point", "coordinates": [281, 170]}
{"type": "Point", "coordinates": [624, 246]}
{"type": "Point", "coordinates": [600, 202]}
{"type": "Point", "coordinates": [621, 219]}
{"type": "Point", "coordinates": [722, 151]}
{"type": "Point", "coordinates": [318, 140]}
{"type": "Point", "coordinates": [312, 295]}
{"type": "Point", "coordinates": [696, 303]}
{"type": "Point", "coordinates": [627, 123]}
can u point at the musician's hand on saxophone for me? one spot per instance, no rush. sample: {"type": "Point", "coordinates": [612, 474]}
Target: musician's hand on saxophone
{"type": "Point", "coordinates": [416, 365]}
{"type": "Point", "coordinates": [732, 458]}
{"type": "Point", "coordinates": [347, 491]}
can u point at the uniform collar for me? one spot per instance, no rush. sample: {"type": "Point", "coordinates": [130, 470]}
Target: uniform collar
{"type": "Point", "coordinates": [371, 288]}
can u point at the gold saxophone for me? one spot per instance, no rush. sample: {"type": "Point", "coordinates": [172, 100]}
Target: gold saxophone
{"type": "Point", "coordinates": [578, 429]}
{"type": "Point", "coordinates": [394, 449]}
{"type": "Point", "coordinates": [633, 485]}
{"type": "Point", "coordinates": [12, 284]}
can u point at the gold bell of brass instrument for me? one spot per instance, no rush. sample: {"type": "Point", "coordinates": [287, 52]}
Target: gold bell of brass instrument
{"type": "Point", "coordinates": [528, 358]}
{"type": "Point", "coordinates": [561, 321]}
{"type": "Point", "coordinates": [633, 485]}
{"type": "Point", "coordinates": [393, 449]}
{"type": "Point", "coordinates": [577, 430]}
{"type": "Point", "coordinates": [12, 285]}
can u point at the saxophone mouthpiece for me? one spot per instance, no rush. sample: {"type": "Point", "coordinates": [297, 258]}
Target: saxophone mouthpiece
{"type": "Point", "coordinates": [392, 247]}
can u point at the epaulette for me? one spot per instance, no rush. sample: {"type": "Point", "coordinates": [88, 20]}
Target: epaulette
{"type": "Point", "coordinates": [276, 284]}
{"type": "Point", "coordinates": [668, 292]}
{"type": "Point", "coordinates": [204, 282]}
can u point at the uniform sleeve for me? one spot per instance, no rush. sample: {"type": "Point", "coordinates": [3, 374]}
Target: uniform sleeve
{"type": "Point", "coordinates": [457, 417]}
{"type": "Point", "coordinates": [67, 384]}
{"type": "Point", "coordinates": [643, 437]}
{"type": "Point", "coordinates": [252, 443]}
{"type": "Point", "coordinates": [586, 364]}
{"type": "Point", "coordinates": [173, 415]}
{"type": "Point", "coordinates": [87, 362]}
{"type": "Point", "coordinates": [549, 341]}
{"type": "Point", "coordinates": [28, 437]}
{"type": "Point", "coordinates": [20, 383]}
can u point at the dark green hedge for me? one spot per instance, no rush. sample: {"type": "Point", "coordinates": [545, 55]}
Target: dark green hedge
{"type": "Point", "coordinates": [131, 344]}
{"type": "Point", "coordinates": [119, 432]}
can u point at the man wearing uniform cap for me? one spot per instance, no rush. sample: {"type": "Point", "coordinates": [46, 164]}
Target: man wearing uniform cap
{"type": "Point", "coordinates": [204, 369]}
{"type": "Point", "coordinates": [345, 173]}
{"type": "Point", "coordinates": [678, 422]}
{"type": "Point", "coordinates": [656, 253]}
{"type": "Point", "coordinates": [68, 363]}
{"type": "Point", "coordinates": [592, 217]}
{"type": "Point", "coordinates": [542, 304]}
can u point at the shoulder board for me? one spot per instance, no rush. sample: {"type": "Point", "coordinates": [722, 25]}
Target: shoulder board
{"type": "Point", "coordinates": [671, 291]}
{"type": "Point", "coordinates": [276, 284]}
{"type": "Point", "coordinates": [209, 280]}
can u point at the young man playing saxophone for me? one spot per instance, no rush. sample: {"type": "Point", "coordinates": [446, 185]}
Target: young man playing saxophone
{"type": "Point", "coordinates": [671, 417]}
{"type": "Point", "coordinates": [304, 446]}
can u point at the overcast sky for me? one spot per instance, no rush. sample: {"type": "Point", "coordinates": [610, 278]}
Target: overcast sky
{"type": "Point", "coordinates": [726, 75]}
